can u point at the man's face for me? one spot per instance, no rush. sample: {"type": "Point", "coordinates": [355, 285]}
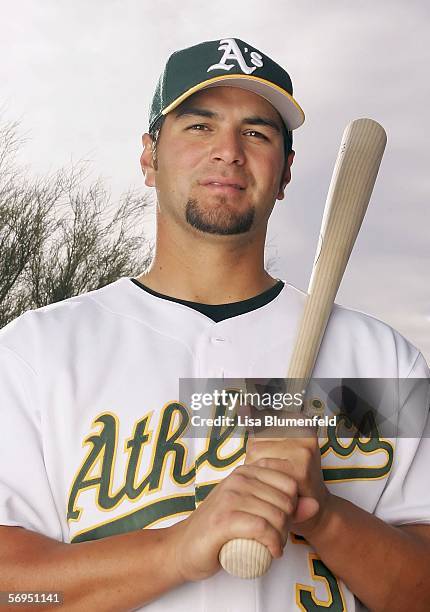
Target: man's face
{"type": "Point", "coordinates": [220, 161]}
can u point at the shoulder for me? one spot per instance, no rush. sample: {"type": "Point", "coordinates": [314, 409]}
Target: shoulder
{"type": "Point", "coordinates": [364, 346]}
{"type": "Point", "coordinates": [375, 342]}
{"type": "Point", "coordinates": [62, 321]}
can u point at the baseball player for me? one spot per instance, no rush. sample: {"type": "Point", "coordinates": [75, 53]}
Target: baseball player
{"type": "Point", "coordinates": [103, 496]}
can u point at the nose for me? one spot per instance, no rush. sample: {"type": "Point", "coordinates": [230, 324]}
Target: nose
{"type": "Point", "coordinates": [227, 146]}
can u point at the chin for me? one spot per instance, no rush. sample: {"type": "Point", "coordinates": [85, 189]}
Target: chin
{"type": "Point", "coordinates": [220, 218]}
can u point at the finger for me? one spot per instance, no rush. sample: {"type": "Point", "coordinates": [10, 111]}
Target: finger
{"type": "Point", "coordinates": [268, 511]}
{"type": "Point", "coordinates": [272, 473]}
{"type": "Point", "coordinates": [296, 452]}
{"type": "Point", "coordinates": [254, 527]}
{"type": "Point", "coordinates": [284, 499]}
{"type": "Point", "coordinates": [307, 508]}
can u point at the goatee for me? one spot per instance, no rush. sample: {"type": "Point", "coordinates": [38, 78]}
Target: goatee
{"type": "Point", "coordinates": [222, 220]}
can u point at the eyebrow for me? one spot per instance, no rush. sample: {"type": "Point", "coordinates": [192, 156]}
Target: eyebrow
{"type": "Point", "coordinates": [193, 110]}
{"type": "Point", "coordinates": [263, 121]}
{"type": "Point", "coordinates": [203, 112]}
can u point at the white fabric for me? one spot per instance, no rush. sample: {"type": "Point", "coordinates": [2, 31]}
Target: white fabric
{"type": "Point", "coordinates": [119, 352]}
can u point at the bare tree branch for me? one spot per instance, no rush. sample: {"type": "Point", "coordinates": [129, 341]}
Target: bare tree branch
{"type": "Point", "coordinates": [60, 235]}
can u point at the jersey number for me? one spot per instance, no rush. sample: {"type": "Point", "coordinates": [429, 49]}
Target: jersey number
{"type": "Point", "coordinates": [306, 596]}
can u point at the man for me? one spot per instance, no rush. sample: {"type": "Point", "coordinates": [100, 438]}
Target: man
{"type": "Point", "coordinates": [94, 449]}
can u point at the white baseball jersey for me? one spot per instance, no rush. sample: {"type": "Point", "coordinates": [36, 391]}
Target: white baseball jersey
{"type": "Point", "coordinates": [91, 439]}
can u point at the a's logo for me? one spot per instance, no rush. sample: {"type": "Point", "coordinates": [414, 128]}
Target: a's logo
{"type": "Point", "coordinates": [233, 53]}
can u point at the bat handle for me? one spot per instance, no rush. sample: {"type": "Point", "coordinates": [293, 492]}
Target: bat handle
{"type": "Point", "coordinates": [248, 558]}
{"type": "Point", "coordinates": [245, 558]}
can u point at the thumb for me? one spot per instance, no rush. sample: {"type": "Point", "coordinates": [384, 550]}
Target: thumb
{"type": "Point", "coordinates": [307, 508]}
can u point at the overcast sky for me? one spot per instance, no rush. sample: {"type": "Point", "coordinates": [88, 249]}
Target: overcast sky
{"type": "Point", "coordinates": [80, 75]}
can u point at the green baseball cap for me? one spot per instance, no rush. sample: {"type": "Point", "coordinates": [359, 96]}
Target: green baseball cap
{"type": "Point", "coordinates": [228, 62]}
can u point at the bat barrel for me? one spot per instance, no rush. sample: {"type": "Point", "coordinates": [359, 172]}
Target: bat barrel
{"type": "Point", "coordinates": [353, 179]}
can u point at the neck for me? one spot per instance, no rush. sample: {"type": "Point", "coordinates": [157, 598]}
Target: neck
{"type": "Point", "coordinates": [206, 268]}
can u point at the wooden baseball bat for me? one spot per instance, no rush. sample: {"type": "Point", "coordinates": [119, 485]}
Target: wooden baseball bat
{"type": "Point", "coordinates": [351, 186]}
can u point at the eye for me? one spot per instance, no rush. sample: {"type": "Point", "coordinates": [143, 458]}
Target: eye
{"type": "Point", "coordinates": [256, 134]}
{"type": "Point", "coordinates": [198, 127]}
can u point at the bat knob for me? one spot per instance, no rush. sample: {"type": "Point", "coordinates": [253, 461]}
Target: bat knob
{"type": "Point", "coordinates": [245, 558]}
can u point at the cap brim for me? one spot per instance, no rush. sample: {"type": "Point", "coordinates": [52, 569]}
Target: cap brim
{"type": "Point", "coordinates": [285, 104]}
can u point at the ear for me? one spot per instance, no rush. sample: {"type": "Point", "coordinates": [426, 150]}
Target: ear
{"type": "Point", "coordinates": [147, 161]}
{"type": "Point", "coordinates": [286, 177]}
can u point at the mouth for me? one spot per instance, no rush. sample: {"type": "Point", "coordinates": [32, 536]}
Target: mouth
{"type": "Point", "coordinates": [223, 184]}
